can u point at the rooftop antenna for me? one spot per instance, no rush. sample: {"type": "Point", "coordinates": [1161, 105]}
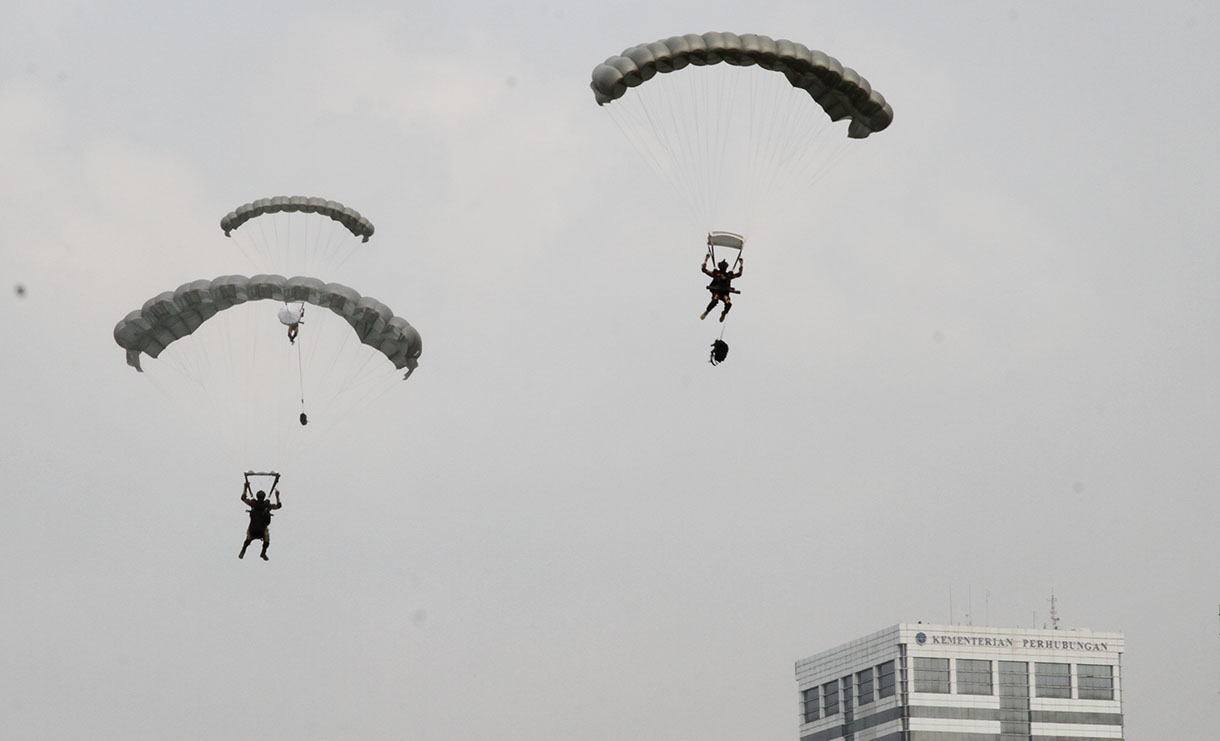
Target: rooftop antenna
{"type": "Point", "coordinates": [1054, 613]}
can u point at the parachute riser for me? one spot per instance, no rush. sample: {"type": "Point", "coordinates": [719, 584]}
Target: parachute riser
{"type": "Point", "coordinates": [725, 241]}
{"type": "Point", "coordinates": [274, 483]}
{"type": "Point", "coordinates": [711, 254]}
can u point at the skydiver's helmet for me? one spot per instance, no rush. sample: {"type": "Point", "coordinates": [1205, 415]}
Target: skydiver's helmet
{"type": "Point", "coordinates": [723, 265]}
{"type": "Point", "coordinates": [261, 496]}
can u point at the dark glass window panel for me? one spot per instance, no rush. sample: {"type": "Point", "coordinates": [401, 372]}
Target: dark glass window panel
{"type": "Point", "coordinates": [1096, 681]}
{"type": "Point", "coordinates": [809, 704]}
{"type": "Point", "coordinates": [830, 698]}
{"type": "Point", "coordinates": [1014, 678]}
{"type": "Point", "coordinates": [1052, 680]}
{"type": "Point", "coordinates": [864, 687]}
{"type": "Point", "coordinates": [932, 675]}
{"type": "Point", "coordinates": [885, 679]}
{"type": "Point", "coordinates": [973, 677]}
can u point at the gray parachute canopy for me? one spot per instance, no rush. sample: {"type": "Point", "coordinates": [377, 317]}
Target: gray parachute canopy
{"type": "Point", "coordinates": [839, 90]}
{"type": "Point", "coordinates": [348, 217]}
{"type": "Point", "coordinates": [172, 315]}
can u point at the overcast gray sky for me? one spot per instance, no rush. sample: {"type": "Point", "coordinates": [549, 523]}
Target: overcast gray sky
{"type": "Point", "coordinates": [975, 364]}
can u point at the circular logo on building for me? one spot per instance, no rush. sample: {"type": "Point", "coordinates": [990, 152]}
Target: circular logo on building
{"type": "Point", "coordinates": [920, 638]}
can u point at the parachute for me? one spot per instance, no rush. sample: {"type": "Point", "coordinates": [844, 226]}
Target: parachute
{"type": "Point", "coordinates": [173, 315]}
{"type": "Point", "coordinates": [222, 358]}
{"type": "Point", "coordinates": [840, 91]}
{"type": "Point", "coordinates": [738, 127]}
{"type": "Point", "coordinates": [297, 233]}
{"type": "Point", "coordinates": [348, 217]}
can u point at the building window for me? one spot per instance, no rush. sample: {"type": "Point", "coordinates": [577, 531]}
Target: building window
{"type": "Point", "coordinates": [1052, 680]}
{"type": "Point", "coordinates": [830, 698]}
{"type": "Point", "coordinates": [1014, 679]}
{"type": "Point", "coordinates": [1095, 681]}
{"type": "Point", "coordinates": [973, 677]}
{"type": "Point", "coordinates": [809, 704]}
{"type": "Point", "coordinates": [932, 675]}
{"type": "Point", "coordinates": [885, 679]}
{"type": "Point", "coordinates": [864, 687]}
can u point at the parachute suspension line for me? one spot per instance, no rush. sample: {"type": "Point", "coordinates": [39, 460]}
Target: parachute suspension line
{"type": "Point", "coordinates": [698, 95]}
{"type": "Point", "coordinates": [247, 248]}
{"type": "Point", "coordinates": [769, 118]}
{"type": "Point", "coordinates": [301, 374]}
{"type": "Point", "coordinates": [769, 114]}
{"type": "Point", "coordinates": [653, 116]}
{"type": "Point", "coordinates": [288, 240]}
{"type": "Point", "coordinates": [693, 123]}
{"type": "Point", "coordinates": [629, 121]}
{"type": "Point", "coordinates": [681, 119]}
{"type": "Point", "coordinates": [343, 261]}
{"type": "Point", "coordinates": [364, 384]}
{"type": "Point", "coordinates": [334, 244]}
{"type": "Point", "coordinates": [335, 422]}
{"type": "Point", "coordinates": [268, 245]}
{"type": "Point", "coordinates": [667, 130]}
{"type": "Point", "coordinates": [317, 247]}
{"type": "Point", "coordinates": [724, 119]}
{"type": "Point", "coordinates": [359, 386]}
{"type": "Point", "coordinates": [334, 358]}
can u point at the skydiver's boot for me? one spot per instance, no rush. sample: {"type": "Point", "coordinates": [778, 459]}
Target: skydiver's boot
{"type": "Point", "coordinates": [244, 546]}
{"type": "Point", "coordinates": [708, 310]}
{"type": "Point", "coordinates": [263, 555]}
{"type": "Point", "coordinates": [725, 313]}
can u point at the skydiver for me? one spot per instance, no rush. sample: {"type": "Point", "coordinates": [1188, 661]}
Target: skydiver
{"type": "Point", "coordinates": [291, 315]}
{"type": "Point", "coordinates": [260, 518]}
{"type": "Point", "coordinates": [721, 286]}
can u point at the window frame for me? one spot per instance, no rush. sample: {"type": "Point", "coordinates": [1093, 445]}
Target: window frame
{"type": "Point", "coordinates": [810, 704]}
{"type": "Point", "coordinates": [881, 674]}
{"type": "Point", "coordinates": [1043, 687]}
{"type": "Point", "coordinates": [1086, 690]}
{"type": "Point", "coordinates": [865, 686]}
{"type": "Point", "coordinates": [919, 683]}
{"type": "Point", "coordinates": [828, 696]}
{"type": "Point", "coordinates": [963, 670]}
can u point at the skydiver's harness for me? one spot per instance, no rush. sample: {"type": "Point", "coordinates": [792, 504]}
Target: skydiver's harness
{"type": "Point", "coordinates": [722, 281]}
{"type": "Point", "coordinates": [260, 512]}
{"type": "Point", "coordinates": [721, 285]}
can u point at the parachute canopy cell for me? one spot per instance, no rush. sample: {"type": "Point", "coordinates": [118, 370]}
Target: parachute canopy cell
{"type": "Point", "coordinates": [172, 315]}
{"type": "Point", "coordinates": [840, 91]}
{"type": "Point", "coordinates": [348, 217]}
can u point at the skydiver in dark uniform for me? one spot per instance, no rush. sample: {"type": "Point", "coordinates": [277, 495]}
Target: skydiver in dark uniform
{"type": "Point", "coordinates": [260, 518]}
{"type": "Point", "coordinates": [291, 316]}
{"type": "Point", "coordinates": [721, 286]}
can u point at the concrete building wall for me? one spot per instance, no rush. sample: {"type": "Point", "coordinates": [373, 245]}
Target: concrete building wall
{"type": "Point", "coordinates": [964, 683]}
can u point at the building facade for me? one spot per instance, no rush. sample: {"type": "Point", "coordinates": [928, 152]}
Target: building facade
{"type": "Point", "coordinates": [918, 682]}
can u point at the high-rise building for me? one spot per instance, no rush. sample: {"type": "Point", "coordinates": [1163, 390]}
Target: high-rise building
{"type": "Point", "coordinates": [917, 682]}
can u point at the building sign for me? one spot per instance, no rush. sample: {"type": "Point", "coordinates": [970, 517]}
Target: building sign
{"type": "Point", "coordinates": [1033, 644]}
